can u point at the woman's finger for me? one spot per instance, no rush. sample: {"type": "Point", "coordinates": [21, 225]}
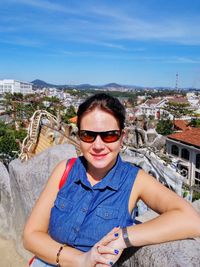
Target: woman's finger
{"type": "Point", "coordinates": [107, 250]}
{"type": "Point", "coordinates": [112, 235]}
{"type": "Point", "coordinates": [102, 260]}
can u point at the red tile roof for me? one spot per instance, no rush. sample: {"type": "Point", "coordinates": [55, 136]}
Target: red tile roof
{"type": "Point", "coordinates": [178, 99]}
{"type": "Point", "coordinates": [152, 101]}
{"type": "Point", "coordinates": [73, 120]}
{"type": "Point", "coordinates": [180, 124]}
{"type": "Point", "coordinates": [190, 136]}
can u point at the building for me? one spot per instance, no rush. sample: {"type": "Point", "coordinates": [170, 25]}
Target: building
{"type": "Point", "coordinates": [153, 108]}
{"type": "Point", "coordinates": [13, 86]}
{"type": "Point", "coordinates": [184, 148]}
{"type": "Point", "coordinates": [156, 107]}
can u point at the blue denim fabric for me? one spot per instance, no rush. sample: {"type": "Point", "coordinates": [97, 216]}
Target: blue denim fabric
{"type": "Point", "coordinates": [82, 214]}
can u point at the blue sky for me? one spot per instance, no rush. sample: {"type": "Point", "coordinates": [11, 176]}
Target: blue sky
{"type": "Point", "coordinates": [135, 42]}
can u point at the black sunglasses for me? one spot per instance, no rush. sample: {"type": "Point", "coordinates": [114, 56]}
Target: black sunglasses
{"type": "Point", "coordinates": [107, 137]}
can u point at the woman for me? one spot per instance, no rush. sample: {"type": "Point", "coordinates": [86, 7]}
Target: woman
{"type": "Point", "coordinates": [100, 193]}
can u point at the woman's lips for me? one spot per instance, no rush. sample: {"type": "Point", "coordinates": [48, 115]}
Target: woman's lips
{"type": "Point", "coordinates": [99, 156]}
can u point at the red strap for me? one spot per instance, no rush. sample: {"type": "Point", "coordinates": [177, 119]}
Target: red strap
{"type": "Point", "coordinates": [31, 260]}
{"type": "Point", "coordinates": [66, 172]}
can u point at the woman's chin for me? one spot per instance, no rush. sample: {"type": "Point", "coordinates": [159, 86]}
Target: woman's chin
{"type": "Point", "coordinates": [101, 163]}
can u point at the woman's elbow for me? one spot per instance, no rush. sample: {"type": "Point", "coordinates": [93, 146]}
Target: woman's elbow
{"type": "Point", "coordinates": [197, 226]}
{"type": "Point", "coordinates": [193, 217]}
{"type": "Point", "coordinates": [25, 239]}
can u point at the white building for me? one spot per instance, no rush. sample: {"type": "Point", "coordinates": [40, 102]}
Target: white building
{"type": "Point", "coordinates": [153, 107]}
{"type": "Point", "coordinates": [13, 86]}
{"type": "Point", "coordinates": [156, 107]}
{"type": "Point", "coordinates": [193, 99]}
{"type": "Point", "coordinates": [185, 148]}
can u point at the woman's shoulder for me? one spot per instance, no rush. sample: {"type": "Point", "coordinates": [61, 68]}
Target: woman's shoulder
{"type": "Point", "coordinates": [61, 165]}
{"type": "Point", "coordinates": [130, 167]}
{"type": "Point", "coordinates": [59, 170]}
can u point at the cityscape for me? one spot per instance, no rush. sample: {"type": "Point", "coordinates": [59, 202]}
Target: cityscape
{"type": "Point", "coordinates": [173, 114]}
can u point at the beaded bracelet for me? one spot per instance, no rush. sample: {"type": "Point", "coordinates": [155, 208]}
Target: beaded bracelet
{"type": "Point", "coordinates": [58, 255]}
{"type": "Point", "coordinates": [126, 238]}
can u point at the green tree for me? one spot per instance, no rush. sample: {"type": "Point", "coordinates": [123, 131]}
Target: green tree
{"type": "Point", "coordinates": [8, 139]}
{"type": "Point", "coordinates": [195, 123]}
{"type": "Point", "coordinates": [70, 113]}
{"type": "Point", "coordinates": [164, 127]}
{"type": "Point", "coordinates": [7, 101]}
{"type": "Point", "coordinates": [178, 109]}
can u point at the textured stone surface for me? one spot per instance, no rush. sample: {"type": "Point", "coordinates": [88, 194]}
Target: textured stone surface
{"type": "Point", "coordinates": [9, 256]}
{"type": "Point", "coordinates": [6, 203]}
{"type": "Point", "coordinates": [183, 253]}
{"type": "Point", "coordinates": [23, 185]}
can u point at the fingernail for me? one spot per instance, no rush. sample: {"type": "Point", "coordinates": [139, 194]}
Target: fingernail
{"type": "Point", "coordinates": [116, 251]}
{"type": "Point", "coordinates": [116, 234]}
{"type": "Point", "coordinates": [111, 263]}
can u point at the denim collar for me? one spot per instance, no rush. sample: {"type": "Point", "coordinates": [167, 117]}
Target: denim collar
{"type": "Point", "coordinates": [110, 180]}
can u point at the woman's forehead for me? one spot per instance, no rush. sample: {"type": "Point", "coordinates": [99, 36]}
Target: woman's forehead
{"type": "Point", "coordinates": [98, 119]}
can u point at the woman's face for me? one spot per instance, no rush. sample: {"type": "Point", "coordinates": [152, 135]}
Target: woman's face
{"type": "Point", "coordinates": [100, 155]}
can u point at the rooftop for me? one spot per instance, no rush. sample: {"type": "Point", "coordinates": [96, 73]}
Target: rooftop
{"type": "Point", "coordinates": [180, 125]}
{"type": "Point", "coordinates": [189, 136]}
{"type": "Point", "coordinates": [178, 99]}
{"type": "Point", "coordinates": [153, 101]}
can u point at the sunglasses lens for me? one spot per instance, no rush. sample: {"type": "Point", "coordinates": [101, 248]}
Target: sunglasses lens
{"type": "Point", "coordinates": [107, 137]}
{"type": "Point", "coordinates": [111, 136]}
{"type": "Point", "coordinates": [87, 136]}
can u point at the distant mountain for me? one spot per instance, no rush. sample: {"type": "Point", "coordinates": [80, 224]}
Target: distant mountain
{"type": "Point", "coordinates": [41, 83]}
{"type": "Point", "coordinates": [85, 86]}
{"type": "Point", "coordinates": [115, 85]}
{"type": "Point", "coordinates": [110, 86]}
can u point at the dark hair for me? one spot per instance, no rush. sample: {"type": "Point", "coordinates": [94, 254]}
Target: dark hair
{"type": "Point", "coordinates": [105, 102]}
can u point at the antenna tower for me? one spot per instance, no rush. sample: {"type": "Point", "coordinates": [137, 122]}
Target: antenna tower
{"type": "Point", "coordinates": [176, 87]}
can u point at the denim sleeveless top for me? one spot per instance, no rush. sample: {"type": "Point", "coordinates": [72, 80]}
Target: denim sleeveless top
{"type": "Point", "coordinates": [82, 214]}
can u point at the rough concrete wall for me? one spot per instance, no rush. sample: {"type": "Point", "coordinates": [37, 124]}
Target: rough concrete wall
{"type": "Point", "coordinates": [23, 185]}
{"type": "Point", "coordinates": [181, 253]}
{"type": "Point", "coordinates": [184, 253]}
{"type": "Point", "coordinates": [6, 203]}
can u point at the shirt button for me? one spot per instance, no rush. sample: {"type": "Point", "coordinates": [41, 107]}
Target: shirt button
{"type": "Point", "coordinates": [62, 206]}
{"type": "Point", "coordinates": [84, 209]}
{"type": "Point", "coordinates": [106, 214]}
{"type": "Point", "coordinates": [76, 230]}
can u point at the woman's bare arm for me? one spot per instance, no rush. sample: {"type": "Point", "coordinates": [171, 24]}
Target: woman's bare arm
{"type": "Point", "coordinates": [177, 219]}
{"type": "Point", "coordinates": [35, 236]}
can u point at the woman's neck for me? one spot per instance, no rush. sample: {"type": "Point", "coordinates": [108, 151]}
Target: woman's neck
{"type": "Point", "coordinates": [93, 179]}
{"type": "Point", "coordinates": [96, 175]}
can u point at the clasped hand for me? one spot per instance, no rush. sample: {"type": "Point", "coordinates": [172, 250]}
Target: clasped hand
{"type": "Point", "coordinates": [103, 253]}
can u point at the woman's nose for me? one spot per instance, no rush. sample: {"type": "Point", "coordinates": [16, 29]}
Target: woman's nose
{"type": "Point", "coordinates": [98, 143]}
